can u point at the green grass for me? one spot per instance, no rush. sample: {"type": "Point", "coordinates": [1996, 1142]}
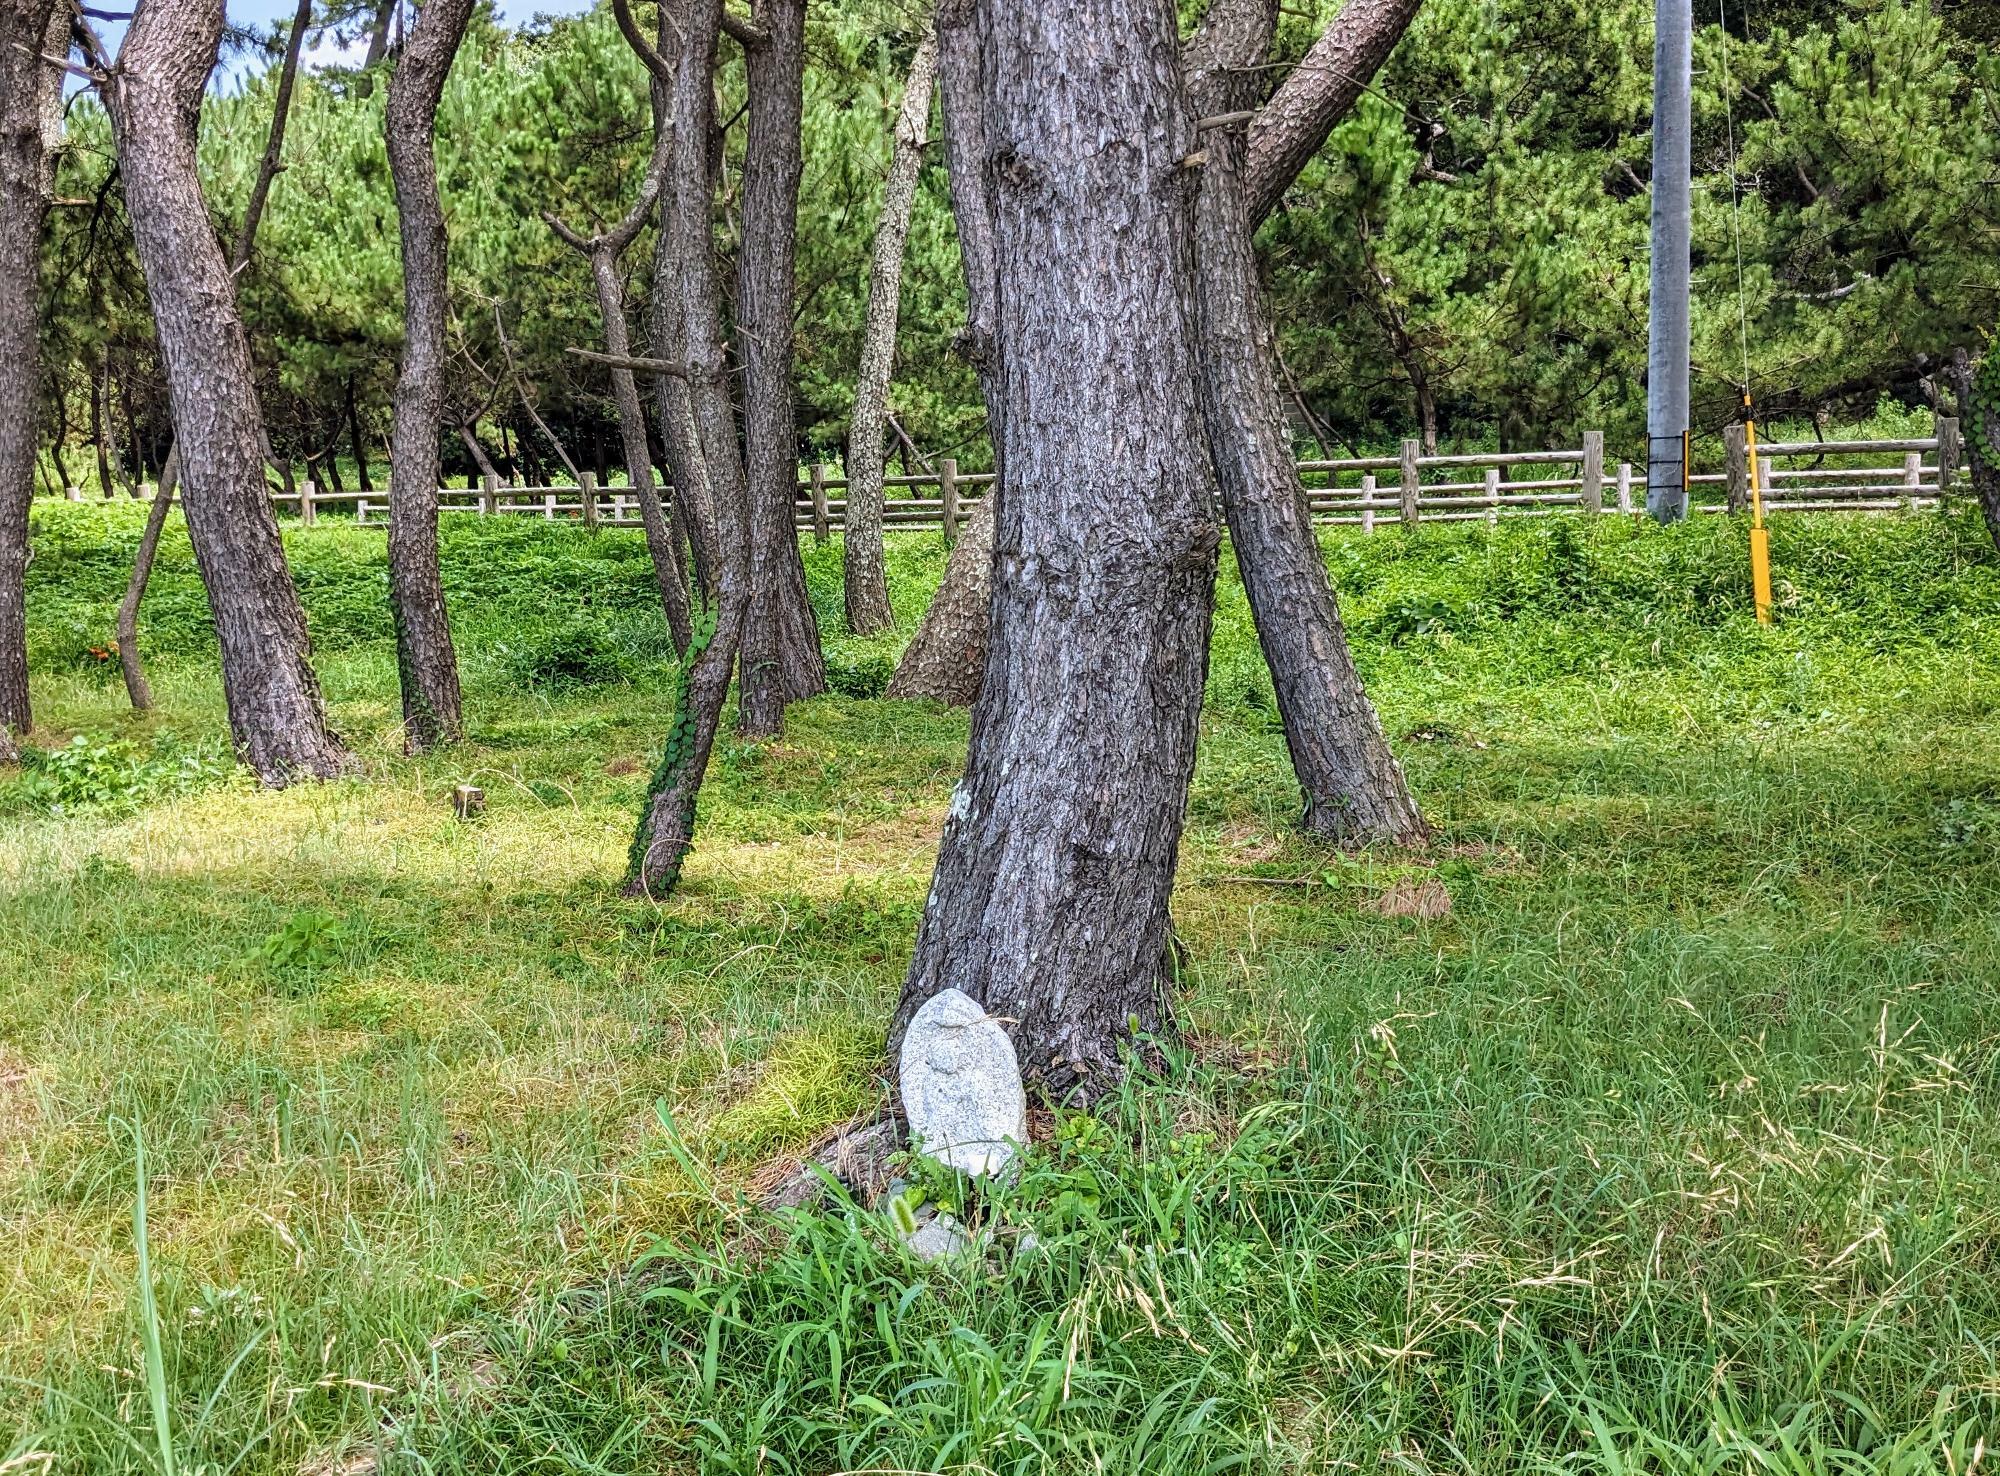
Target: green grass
{"type": "Point", "coordinates": [1670, 1149]}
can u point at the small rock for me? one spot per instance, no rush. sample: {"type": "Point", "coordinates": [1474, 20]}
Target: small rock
{"type": "Point", "coordinates": [938, 1236]}
{"type": "Point", "coordinates": [962, 1086]}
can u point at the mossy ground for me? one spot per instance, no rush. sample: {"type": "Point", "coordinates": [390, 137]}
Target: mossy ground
{"type": "Point", "coordinates": [1670, 1148]}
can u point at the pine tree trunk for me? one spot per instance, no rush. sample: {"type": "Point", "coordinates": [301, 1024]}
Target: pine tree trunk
{"type": "Point", "coordinates": [130, 662]}
{"type": "Point", "coordinates": [137, 688]}
{"type": "Point", "coordinates": [687, 310]}
{"type": "Point", "coordinates": [867, 585]}
{"type": "Point", "coordinates": [947, 656]}
{"type": "Point", "coordinates": [275, 710]}
{"type": "Point", "coordinates": [357, 442]}
{"type": "Point", "coordinates": [28, 89]}
{"type": "Point", "coordinates": [1353, 788]}
{"type": "Point", "coordinates": [781, 660]}
{"type": "Point", "coordinates": [662, 542]}
{"type": "Point", "coordinates": [1049, 903]}
{"type": "Point", "coordinates": [946, 659]}
{"type": "Point", "coordinates": [425, 659]}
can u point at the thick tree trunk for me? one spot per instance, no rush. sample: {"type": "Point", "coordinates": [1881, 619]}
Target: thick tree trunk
{"type": "Point", "coordinates": [1353, 788]}
{"type": "Point", "coordinates": [1049, 903]}
{"type": "Point", "coordinates": [378, 32]}
{"type": "Point", "coordinates": [1979, 421]}
{"type": "Point", "coordinates": [687, 310]}
{"type": "Point", "coordinates": [602, 252]}
{"type": "Point", "coordinates": [275, 710]}
{"type": "Point", "coordinates": [425, 660]}
{"type": "Point", "coordinates": [867, 585]}
{"type": "Point", "coordinates": [781, 660]}
{"type": "Point", "coordinates": [129, 660]}
{"type": "Point", "coordinates": [29, 90]}
{"type": "Point", "coordinates": [946, 658]}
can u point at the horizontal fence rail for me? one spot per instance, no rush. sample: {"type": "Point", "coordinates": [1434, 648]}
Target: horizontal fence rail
{"type": "Point", "coordinates": [1365, 491]}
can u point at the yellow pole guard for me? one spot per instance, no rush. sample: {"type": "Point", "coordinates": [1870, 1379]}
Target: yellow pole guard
{"type": "Point", "coordinates": [1760, 536]}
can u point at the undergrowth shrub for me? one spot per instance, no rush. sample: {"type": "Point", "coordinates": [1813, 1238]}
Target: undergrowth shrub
{"type": "Point", "coordinates": [94, 773]}
{"type": "Point", "coordinates": [577, 652]}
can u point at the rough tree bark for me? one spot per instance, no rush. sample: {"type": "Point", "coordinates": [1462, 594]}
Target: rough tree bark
{"type": "Point", "coordinates": [947, 657]}
{"type": "Point", "coordinates": [1049, 903]}
{"type": "Point", "coordinates": [425, 661]}
{"type": "Point", "coordinates": [154, 97]}
{"type": "Point", "coordinates": [867, 585]}
{"type": "Point", "coordinates": [30, 91]}
{"type": "Point", "coordinates": [687, 311]}
{"type": "Point", "coordinates": [137, 688]}
{"type": "Point", "coordinates": [1353, 788]}
{"type": "Point", "coordinates": [1316, 94]}
{"type": "Point", "coordinates": [1979, 421]}
{"type": "Point", "coordinates": [602, 252]}
{"type": "Point", "coordinates": [781, 660]}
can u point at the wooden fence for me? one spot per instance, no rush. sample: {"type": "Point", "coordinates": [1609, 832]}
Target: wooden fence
{"type": "Point", "coordinates": [1366, 491]}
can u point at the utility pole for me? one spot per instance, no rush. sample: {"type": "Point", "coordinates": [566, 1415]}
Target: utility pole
{"type": "Point", "coordinates": [1667, 318]}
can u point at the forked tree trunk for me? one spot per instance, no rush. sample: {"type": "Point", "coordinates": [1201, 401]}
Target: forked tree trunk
{"type": "Point", "coordinates": [1979, 420]}
{"type": "Point", "coordinates": [946, 659]}
{"type": "Point", "coordinates": [687, 310]}
{"type": "Point", "coordinates": [129, 661]}
{"type": "Point", "coordinates": [867, 584]}
{"type": "Point", "coordinates": [1354, 790]}
{"type": "Point", "coordinates": [275, 711]}
{"type": "Point", "coordinates": [29, 90]}
{"type": "Point", "coordinates": [425, 661]}
{"type": "Point", "coordinates": [602, 252]}
{"type": "Point", "coordinates": [1049, 903]}
{"type": "Point", "coordinates": [781, 660]}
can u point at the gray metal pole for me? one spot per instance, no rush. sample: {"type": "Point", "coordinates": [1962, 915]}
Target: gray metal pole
{"type": "Point", "coordinates": [1667, 342]}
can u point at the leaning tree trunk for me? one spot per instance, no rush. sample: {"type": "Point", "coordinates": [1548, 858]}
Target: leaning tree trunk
{"type": "Point", "coordinates": [129, 660]}
{"type": "Point", "coordinates": [425, 661]}
{"type": "Point", "coordinates": [687, 310]}
{"type": "Point", "coordinates": [947, 657]}
{"type": "Point", "coordinates": [1979, 415]}
{"type": "Point", "coordinates": [781, 660]}
{"type": "Point", "coordinates": [867, 584]}
{"type": "Point", "coordinates": [275, 710]}
{"type": "Point", "coordinates": [602, 252]}
{"type": "Point", "coordinates": [29, 90]}
{"type": "Point", "coordinates": [1354, 790]}
{"type": "Point", "coordinates": [1049, 903]}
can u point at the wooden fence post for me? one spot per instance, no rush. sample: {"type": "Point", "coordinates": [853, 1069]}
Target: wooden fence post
{"type": "Point", "coordinates": [75, 493]}
{"type": "Point", "coordinates": [1593, 472]}
{"type": "Point", "coordinates": [1625, 486]}
{"type": "Point", "coordinates": [308, 512]}
{"type": "Point", "coordinates": [1737, 445]}
{"type": "Point", "coordinates": [821, 532]}
{"type": "Point", "coordinates": [1411, 450]}
{"type": "Point", "coordinates": [1913, 475]}
{"type": "Point", "coordinates": [1493, 495]}
{"type": "Point", "coordinates": [1950, 450]}
{"type": "Point", "coordinates": [489, 493]}
{"type": "Point", "coordinates": [549, 506]}
{"type": "Point", "coordinates": [948, 495]}
{"type": "Point", "coordinates": [587, 484]}
{"type": "Point", "coordinates": [1368, 502]}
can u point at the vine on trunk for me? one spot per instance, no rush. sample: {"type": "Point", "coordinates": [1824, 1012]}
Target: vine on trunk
{"type": "Point", "coordinates": [674, 760]}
